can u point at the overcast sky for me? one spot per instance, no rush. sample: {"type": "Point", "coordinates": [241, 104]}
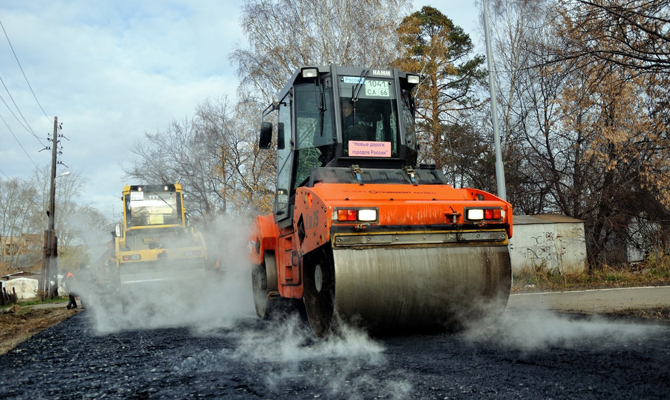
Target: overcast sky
{"type": "Point", "coordinates": [113, 70]}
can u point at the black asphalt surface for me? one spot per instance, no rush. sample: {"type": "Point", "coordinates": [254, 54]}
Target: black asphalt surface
{"type": "Point", "coordinates": [526, 355]}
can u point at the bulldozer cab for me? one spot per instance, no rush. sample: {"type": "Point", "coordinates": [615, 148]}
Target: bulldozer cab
{"type": "Point", "coordinates": [334, 117]}
{"type": "Point", "coordinates": [152, 206]}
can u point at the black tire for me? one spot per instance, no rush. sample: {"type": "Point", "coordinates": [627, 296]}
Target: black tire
{"type": "Point", "coordinates": [318, 295]}
{"type": "Point", "coordinates": [264, 285]}
{"type": "Point", "coordinates": [267, 301]}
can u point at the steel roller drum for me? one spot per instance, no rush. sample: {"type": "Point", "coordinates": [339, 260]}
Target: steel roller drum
{"type": "Point", "coordinates": [418, 288]}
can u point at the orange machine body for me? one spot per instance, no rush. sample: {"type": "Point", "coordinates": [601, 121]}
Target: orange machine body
{"type": "Point", "coordinates": [360, 230]}
{"type": "Point", "coordinates": [400, 209]}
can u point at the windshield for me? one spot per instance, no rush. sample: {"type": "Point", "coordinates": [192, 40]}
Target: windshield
{"type": "Point", "coordinates": [313, 116]}
{"type": "Point", "coordinates": [152, 208]}
{"type": "Point", "coordinates": [314, 128]}
{"type": "Point", "coordinates": [369, 117]}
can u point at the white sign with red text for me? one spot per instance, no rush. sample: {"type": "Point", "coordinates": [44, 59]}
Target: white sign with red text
{"type": "Point", "coordinates": [360, 148]}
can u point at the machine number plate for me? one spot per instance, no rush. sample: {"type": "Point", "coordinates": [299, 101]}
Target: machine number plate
{"type": "Point", "coordinates": [136, 195]}
{"type": "Point", "coordinates": [377, 88]}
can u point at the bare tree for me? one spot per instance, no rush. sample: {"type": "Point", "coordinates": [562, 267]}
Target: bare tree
{"type": "Point", "coordinates": [619, 52]}
{"type": "Point", "coordinates": [68, 189]}
{"type": "Point", "coordinates": [525, 95]}
{"type": "Point", "coordinates": [23, 205]}
{"type": "Point", "coordinates": [253, 189]}
{"type": "Point", "coordinates": [588, 132]}
{"type": "Point", "coordinates": [214, 155]}
{"type": "Point", "coordinates": [193, 153]}
{"type": "Point", "coordinates": [634, 34]}
{"type": "Point", "coordinates": [432, 45]}
{"type": "Point", "coordinates": [286, 34]}
{"type": "Point", "coordinates": [18, 199]}
{"type": "Point", "coordinates": [89, 232]}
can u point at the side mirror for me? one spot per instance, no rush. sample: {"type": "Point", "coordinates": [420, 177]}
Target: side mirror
{"type": "Point", "coordinates": [266, 135]}
{"type": "Point", "coordinates": [118, 230]}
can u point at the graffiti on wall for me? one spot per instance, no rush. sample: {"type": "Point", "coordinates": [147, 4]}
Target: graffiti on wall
{"type": "Point", "coordinates": [541, 250]}
{"type": "Point", "coordinates": [549, 246]}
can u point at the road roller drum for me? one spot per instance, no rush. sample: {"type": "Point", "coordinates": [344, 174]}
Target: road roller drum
{"type": "Point", "coordinates": [408, 289]}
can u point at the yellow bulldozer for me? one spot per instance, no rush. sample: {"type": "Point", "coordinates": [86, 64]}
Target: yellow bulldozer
{"type": "Point", "coordinates": [154, 245]}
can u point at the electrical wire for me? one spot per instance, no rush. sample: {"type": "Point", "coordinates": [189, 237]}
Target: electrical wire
{"type": "Point", "coordinates": [19, 121]}
{"type": "Point", "coordinates": [29, 129]}
{"type": "Point", "coordinates": [24, 74]}
{"type": "Point", "coordinates": [3, 172]}
{"type": "Point", "coordinates": [17, 141]}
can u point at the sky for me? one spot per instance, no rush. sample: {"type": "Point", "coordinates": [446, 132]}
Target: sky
{"type": "Point", "coordinates": [112, 71]}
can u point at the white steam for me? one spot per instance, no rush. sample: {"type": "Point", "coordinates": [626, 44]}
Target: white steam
{"type": "Point", "coordinates": [282, 352]}
{"type": "Point", "coordinates": [285, 355]}
{"type": "Point", "coordinates": [215, 302]}
{"type": "Point", "coordinates": [540, 330]}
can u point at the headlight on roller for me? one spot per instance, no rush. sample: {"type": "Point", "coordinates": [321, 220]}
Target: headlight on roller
{"type": "Point", "coordinates": [492, 214]}
{"type": "Point", "coordinates": [355, 215]}
{"type": "Point", "coordinates": [367, 215]}
{"type": "Point", "coordinates": [475, 214]}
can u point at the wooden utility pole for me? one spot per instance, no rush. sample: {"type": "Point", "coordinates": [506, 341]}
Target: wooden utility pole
{"type": "Point", "coordinates": [49, 268]}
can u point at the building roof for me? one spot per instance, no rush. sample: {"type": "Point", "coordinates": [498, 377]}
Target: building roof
{"type": "Point", "coordinates": [20, 274]}
{"type": "Point", "coordinates": [544, 219]}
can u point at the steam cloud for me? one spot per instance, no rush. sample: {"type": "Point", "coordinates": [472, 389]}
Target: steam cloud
{"type": "Point", "coordinates": [284, 352]}
{"type": "Point", "coordinates": [217, 302]}
{"type": "Point", "coordinates": [539, 330]}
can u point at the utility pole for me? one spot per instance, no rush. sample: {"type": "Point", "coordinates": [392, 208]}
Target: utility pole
{"type": "Point", "coordinates": [500, 170]}
{"type": "Point", "coordinates": [50, 247]}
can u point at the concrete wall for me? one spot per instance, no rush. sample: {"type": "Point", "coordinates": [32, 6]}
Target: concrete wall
{"type": "Point", "coordinates": [549, 242]}
{"type": "Point", "coordinates": [571, 245]}
{"type": "Point", "coordinates": [26, 288]}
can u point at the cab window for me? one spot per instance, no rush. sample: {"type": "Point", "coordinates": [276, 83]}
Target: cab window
{"type": "Point", "coordinates": [314, 129]}
{"type": "Point", "coordinates": [369, 117]}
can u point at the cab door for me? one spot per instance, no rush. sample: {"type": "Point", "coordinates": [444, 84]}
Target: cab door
{"type": "Point", "coordinates": [284, 162]}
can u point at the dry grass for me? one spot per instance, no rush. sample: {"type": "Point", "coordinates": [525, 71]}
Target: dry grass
{"type": "Point", "coordinates": [650, 273]}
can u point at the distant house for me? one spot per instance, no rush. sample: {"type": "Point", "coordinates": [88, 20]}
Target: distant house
{"type": "Point", "coordinates": [550, 241]}
{"type": "Point", "coordinates": [21, 251]}
{"type": "Point", "coordinates": [631, 245]}
{"type": "Point", "coordinates": [26, 284]}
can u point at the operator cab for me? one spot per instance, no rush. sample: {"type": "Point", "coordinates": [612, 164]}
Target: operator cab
{"type": "Point", "coordinates": [152, 205]}
{"type": "Point", "coordinates": [332, 117]}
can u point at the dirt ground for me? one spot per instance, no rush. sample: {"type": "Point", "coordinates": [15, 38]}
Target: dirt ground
{"type": "Point", "coordinates": [18, 324]}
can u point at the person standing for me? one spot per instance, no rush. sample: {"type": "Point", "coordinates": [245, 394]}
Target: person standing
{"type": "Point", "coordinates": [71, 286]}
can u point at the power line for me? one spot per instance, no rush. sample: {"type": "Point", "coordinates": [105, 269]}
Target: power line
{"type": "Point", "coordinates": [30, 129]}
{"type": "Point", "coordinates": [10, 110]}
{"type": "Point", "coordinates": [17, 141]}
{"type": "Point", "coordinates": [3, 172]}
{"type": "Point", "coordinates": [24, 74]}
{"type": "Point", "coordinates": [19, 121]}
